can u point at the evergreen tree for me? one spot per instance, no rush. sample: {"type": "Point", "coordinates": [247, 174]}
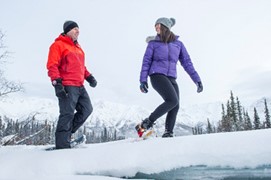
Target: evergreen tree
{"type": "Point", "coordinates": [257, 123]}
{"type": "Point", "coordinates": [267, 115]}
{"type": "Point", "coordinates": [85, 130]}
{"type": "Point", "coordinates": [227, 122]}
{"type": "Point", "coordinates": [115, 135]}
{"type": "Point", "coordinates": [91, 137]}
{"type": "Point", "coordinates": [17, 127]}
{"type": "Point", "coordinates": [194, 131]}
{"type": "Point", "coordinates": [43, 136]}
{"type": "Point", "coordinates": [53, 130]}
{"type": "Point", "coordinates": [197, 129]}
{"type": "Point", "coordinates": [233, 113]}
{"type": "Point", "coordinates": [104, 135]}
{"type": "Point", "coordinates": [223, 112]}
{"type": "Point", "coordinates": [49, 134]}
{"type": "Point", "coordinates": [240, 115]}
{"type": "Point", "coordinates": [247, 121]}
{"type": "Point", "coordinates": [209, 127]}
{"type": "Point", "coordinates": [9, 128]}
{"type": "Point", "coordinates": [219, 126]}
{"type": "Point", "coordinates": [1, 128]}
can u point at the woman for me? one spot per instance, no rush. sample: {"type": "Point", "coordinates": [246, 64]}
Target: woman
{"type": "Point", "coordinates": [159, 62]}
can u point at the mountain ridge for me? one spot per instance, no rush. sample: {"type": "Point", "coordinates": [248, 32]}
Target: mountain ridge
{"type": "Point", "coordinates": [120, 117]}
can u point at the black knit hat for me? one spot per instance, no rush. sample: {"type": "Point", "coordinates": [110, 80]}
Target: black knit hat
{"type": "Point", "coordinates": [69, 25]}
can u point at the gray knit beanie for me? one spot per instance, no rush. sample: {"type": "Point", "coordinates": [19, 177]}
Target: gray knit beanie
{"type": "Point", "coordinates": [168, 22]}
{"type": "Point", "coordinates": [69, 25]}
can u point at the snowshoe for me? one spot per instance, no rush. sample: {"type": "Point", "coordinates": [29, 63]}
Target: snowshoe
{"type": "Point", "coordinates": [139, 130]}
{"type": "Point", "coordinates": [73, 143]}
{"type": "Point", "coordinates": [80, 140]}
{"type": "Point", "coordinates": [144, 127]}
{"type": "Point", "coordinates": [148, 133]}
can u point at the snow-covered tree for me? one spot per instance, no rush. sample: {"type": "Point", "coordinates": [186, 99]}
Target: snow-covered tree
{"type": "Point", "coordinates": [115, 135]}
{"type": "Point", "coordinates": [267, 115]}
{"type": "Point", "coordinates": [233, 113]}
{"type": "Point", "coordinates": [256, 122]}
{"type": "Point", "coordinates": [240, 122]}
{"type": "Point", "coordinates": [105, 135]}
{"type": "Point", "coordinates": [227, 124]}
{"type": "Point", "coordinates": [223, 123]}
{"type": "Point", "coordinates": [1, 128]}
{"type": "Point", "coordinates": [6, 86]}
{"type": "Point", "coordinates": [9, 130]}
{"type": "Point", "coordinates": [209, 127]}
{"type": "Point", "coordinates": [247, 121]}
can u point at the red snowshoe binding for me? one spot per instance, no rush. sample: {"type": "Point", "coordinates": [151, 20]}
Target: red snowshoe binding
{"type": "Point", "coordinates": [141, 128]}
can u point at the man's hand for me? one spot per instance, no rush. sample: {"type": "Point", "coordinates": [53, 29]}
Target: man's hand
{"type": "Point", "coordinates": [92, 81]}
{"type": "Point", "coordinates": [59, 88]}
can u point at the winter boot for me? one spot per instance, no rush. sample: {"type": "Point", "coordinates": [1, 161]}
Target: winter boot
{"type": "Point", "coordinates": [167, 134]}
{"type": "Point", "coordinates": [143, 127]}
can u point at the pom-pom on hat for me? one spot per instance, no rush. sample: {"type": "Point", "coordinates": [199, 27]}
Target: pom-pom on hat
{"type": "Point", "coordinates": [168, 22]}
{"type": "Point", "coordinates": [69, 25]}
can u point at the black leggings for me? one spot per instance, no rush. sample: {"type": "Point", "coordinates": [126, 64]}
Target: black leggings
{"type": "Point", "coordinates": [168, 89]}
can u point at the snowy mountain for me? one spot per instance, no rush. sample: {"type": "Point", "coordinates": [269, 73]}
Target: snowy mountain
{"type": "Point", "coordinates": [119, 117]}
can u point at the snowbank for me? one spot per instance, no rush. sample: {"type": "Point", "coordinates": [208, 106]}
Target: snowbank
{"type": "Point", "coordinates": [125, 158]}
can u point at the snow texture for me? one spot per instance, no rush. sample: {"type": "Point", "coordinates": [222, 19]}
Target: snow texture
{"type": "Point", "coordinates": [125, 158]}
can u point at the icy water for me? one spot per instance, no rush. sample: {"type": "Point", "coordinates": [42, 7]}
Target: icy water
{"type": "Point", "coordinates": [213, 173]}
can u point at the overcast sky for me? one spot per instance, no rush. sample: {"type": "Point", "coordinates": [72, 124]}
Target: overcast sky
{"type": "Point", "coordinates": [229, 43]}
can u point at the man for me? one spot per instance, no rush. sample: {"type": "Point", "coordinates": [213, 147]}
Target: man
{"type": "Point", "coordinates": [67, 71]}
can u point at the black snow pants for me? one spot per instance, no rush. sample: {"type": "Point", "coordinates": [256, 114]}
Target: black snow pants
{"type": "Point", "coordinates": [69, 121]}
{"type": "Point", "coordinates": [168, 89]}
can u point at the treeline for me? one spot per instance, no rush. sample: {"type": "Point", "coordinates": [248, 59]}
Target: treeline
{"type": "Point", "coordinates": [35, 132]}
{"type": "Point", "coordinates": [102, 136]}
{"type": "Point", "coordinates": [234, 117]}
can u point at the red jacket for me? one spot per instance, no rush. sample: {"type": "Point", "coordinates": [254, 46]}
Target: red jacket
{"type": "Point", "coordinates": [66, 60]}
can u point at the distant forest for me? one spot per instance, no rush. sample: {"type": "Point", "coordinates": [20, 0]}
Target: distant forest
{"type": "Point", "coordinates": [35, 132]}
{"type": "Point", "coordinates": [32, 131]}
{"type": "Point", "coordinates": [234, 117]}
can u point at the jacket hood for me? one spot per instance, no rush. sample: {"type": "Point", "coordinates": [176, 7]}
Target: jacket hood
{"type": "Point", "coordinates": [150, 38]}
{"type": "Point", "coordinates": [155, 38]}
{"type": "Point", "coordinates": [66, 39]}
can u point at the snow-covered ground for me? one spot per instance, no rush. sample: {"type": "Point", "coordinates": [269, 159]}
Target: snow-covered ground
{"type": "Point", "coordinates": [248, 150]}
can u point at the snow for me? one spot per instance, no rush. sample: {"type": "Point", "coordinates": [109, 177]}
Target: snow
{"type": "Point", "coordinates": [125, 158]}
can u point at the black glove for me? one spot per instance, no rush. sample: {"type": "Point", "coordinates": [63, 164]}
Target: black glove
{"type": "Point", "coordinates": [199, 87]}
{"type": "Point", "coordinates": [144, 87]}
{"type": "Point", "coordinates": [59, 88]}
{"type": "Point", "coordinates": [92, 81]}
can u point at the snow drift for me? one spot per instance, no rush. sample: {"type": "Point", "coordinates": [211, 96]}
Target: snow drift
{"type": "Point", "coordinates": [128, 157]}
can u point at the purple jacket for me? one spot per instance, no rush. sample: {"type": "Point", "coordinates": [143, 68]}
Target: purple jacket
{"type": "Point", "coordinates": [162, 58]}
